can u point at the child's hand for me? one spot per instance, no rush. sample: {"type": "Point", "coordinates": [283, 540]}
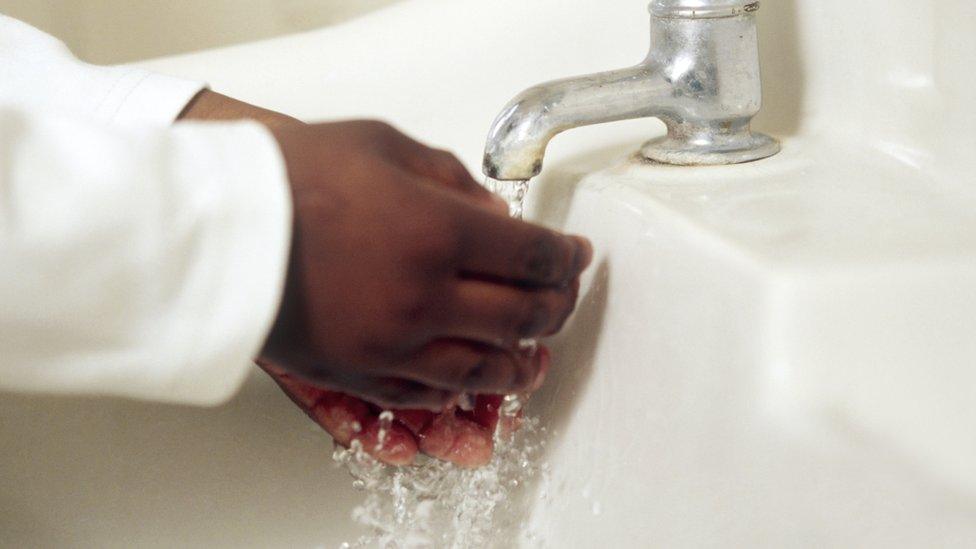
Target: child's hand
{"type": "Point", "coordinates": [408, 284]}
{"type": "Point", "coordinates": [404, 293]}
{"type": "Point", "coordinates": [463, 438]}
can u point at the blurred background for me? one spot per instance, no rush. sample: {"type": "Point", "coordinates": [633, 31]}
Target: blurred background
{"type": "Point", "coordinates": [117, 31]}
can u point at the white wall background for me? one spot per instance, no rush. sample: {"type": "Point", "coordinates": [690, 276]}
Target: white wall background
{"type": "Point", "coordinates": [113, 31]}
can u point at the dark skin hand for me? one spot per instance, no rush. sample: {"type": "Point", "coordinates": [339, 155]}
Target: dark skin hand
{"type": "Point", "coordinates": [408, 284]}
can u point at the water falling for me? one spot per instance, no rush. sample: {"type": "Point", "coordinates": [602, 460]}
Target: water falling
{"type": "Point", "coordinates": [514, 194]}
{"type": "Point", "coordinates": [512, 191]}
{"type": "Point", "coordinates": [437, 504]}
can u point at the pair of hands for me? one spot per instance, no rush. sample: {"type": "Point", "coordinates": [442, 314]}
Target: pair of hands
{"type": "Point", "coordinates": [408, 285]}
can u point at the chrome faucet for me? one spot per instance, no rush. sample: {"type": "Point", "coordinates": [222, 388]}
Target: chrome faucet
{"type": "Point", "coordinates": [701, 79]}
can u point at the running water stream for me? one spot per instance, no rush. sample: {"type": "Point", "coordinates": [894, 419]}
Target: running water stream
{"type": "Point", "coordinates": [512, 191]}
{"type": "Point", "coordinates": [437, 504]}
{"type": "Point", "coordinates": [514, 194]}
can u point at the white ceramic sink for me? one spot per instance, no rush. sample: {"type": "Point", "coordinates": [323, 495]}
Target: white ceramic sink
{"type": "Point", "coordinates": [117, 31]}
{"type": "Point", "coordinates": [773, 354]}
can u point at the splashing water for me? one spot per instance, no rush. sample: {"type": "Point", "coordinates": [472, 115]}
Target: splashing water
{"type": "Point", "coordinates": [437, 504]}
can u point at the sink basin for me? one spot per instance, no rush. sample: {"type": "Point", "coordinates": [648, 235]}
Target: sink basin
{"type": "Point", "coordinates": [769, 354]}
{"type": "Point", "coordinates": [781, 353]}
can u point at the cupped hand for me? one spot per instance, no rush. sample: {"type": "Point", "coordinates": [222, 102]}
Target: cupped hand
{"type": "Point", "coordinates": [405, 288]}
{"type": "Point", "coordinates": [463, 437]}
{"type": "Point", "coordinates": [408, 284]}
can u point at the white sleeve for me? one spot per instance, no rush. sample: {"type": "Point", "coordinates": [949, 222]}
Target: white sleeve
{"type": "Point", "coordinates": [141, 262]}
{"type": "Point", "coordinates": [135, 260]}
{"type": "Point", "coordinates": [39, 73]}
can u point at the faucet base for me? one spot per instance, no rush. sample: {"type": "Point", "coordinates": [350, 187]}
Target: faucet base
{"type": "Point", "coordinates": [711, 149]}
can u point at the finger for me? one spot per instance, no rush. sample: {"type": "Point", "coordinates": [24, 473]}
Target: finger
{"type": "Point", "coordinates": [514, 252]}
{"type": "Point", "coordinates": [395, 445]}
{"type": "Point", "coordinates": [487, 413]}
{"type": "Point", "coordinates": [343, 416]}
{"type": "Point", "coordinates": [487, 408]}
{"type": "Point", "coordinates": [347, 418]}
{"type": "Point", "coordinates": [458, 440]}
{"type": "Point", "coordinates": [467, 366]}
{"type": "Point", "coordinates": [490, 312]}
{"type": "Point", "coordinates": [415, 420]}
{"type": "Point", "coordinates": [398, 393]}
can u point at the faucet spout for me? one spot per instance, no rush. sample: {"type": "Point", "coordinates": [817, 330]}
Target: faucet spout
{"type": "Point", "coordinates": [701, 78]}
{"type": "Point", "coordinates": [519, 137]}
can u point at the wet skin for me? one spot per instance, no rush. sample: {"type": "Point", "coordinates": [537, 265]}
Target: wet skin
{"type": "Point", "coordinates": [408, 285]}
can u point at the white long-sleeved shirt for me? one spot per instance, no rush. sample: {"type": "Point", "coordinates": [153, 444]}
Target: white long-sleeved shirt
{"type": "Point", "coordinates": [138, 258]}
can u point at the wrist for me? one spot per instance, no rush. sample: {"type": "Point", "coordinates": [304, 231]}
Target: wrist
{"type": "Point", "coordinates": [284, 337]}
{"type": "Point", "coordinates": [212, 106]}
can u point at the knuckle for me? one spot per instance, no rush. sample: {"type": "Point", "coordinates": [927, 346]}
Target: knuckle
{"type": "Point", "coordinates": [380, 133]}
{"type": "Point", "coordinates": [452, 164]}
{"type": "Point", "coordinates": [540, 260]}
{"type": "Point", "coordinates": [442, 166]}
{"type": "Point", "coordinates": [477, 376]}
{"type": "Point", "coordinates": [449, 168]}
{"type": "Point", "coordinates": [378, 127]}
{"type": "Point", "coordinates": [544, 260]}
{"type": "Point", "coordinates": [496, 371]}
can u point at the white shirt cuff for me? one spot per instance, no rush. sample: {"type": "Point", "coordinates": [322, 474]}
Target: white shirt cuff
{"type": "Point", "coordinates": [144, 98]}
{"type": "Point", "coordinates": [248, 244]}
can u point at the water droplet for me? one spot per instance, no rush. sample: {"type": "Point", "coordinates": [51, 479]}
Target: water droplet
{"type": "Point", "coordinates": [438, 504]}
{"type": "Point", "coordinates": [385, 424]}
{"type": "Point", "coordinates": [466, 402]}
{"type": "Point", "coordinates": [511, 405]}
